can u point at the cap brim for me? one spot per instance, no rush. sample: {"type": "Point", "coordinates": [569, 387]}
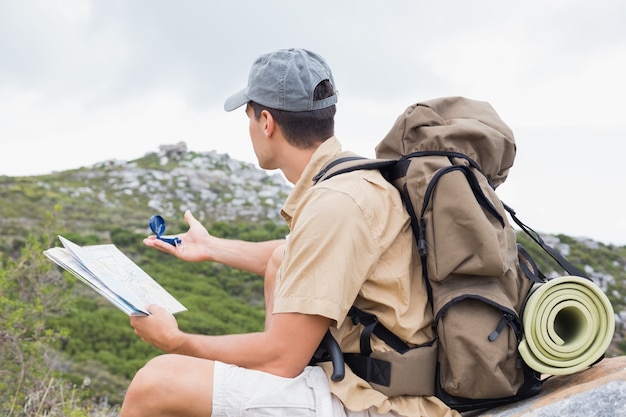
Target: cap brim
{"type": "Point", "coordinates": [236, 100]}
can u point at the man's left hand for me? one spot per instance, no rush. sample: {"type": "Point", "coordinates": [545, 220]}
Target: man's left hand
{"type": "Point", "coordinates": [160, 328]}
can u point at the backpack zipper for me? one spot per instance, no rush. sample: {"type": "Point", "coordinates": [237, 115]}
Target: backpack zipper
{"type": "Point", "coordinates": [508, 316]}
{"type": "Point", "coordinates": [507, 319]}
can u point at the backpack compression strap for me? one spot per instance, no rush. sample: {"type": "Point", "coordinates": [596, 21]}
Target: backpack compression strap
{"type": "Point", "coordinates": [566, 265]}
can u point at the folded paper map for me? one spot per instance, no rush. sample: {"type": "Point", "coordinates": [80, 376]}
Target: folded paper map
{"type": "Point", "coordinates": [113, 275]}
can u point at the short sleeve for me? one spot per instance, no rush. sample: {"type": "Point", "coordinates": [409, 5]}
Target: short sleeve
{"type": "Point", "coordinates": [330, 254]}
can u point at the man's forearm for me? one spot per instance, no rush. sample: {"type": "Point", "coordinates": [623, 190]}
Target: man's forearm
{"type": "Point", "coordinates": [248, 256]}
{"type": "Point", "coordinates": [250, 350]}
{"type": "Point", "coordinates": [284, 349]}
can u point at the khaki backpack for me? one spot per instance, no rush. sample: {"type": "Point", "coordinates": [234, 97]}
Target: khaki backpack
{"type": "Point", "coordinates": [446, 157]}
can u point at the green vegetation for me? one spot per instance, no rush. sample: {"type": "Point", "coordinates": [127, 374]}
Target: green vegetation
{"type": "Point", "coordinates": [66, 352]}
{"type": "Point", "coordinates": [33, 295]}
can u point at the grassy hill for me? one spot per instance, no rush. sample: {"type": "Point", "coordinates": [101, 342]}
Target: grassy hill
{"type": "Point", "coordinates": [89, 342]}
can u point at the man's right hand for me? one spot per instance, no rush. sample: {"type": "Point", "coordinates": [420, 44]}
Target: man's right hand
{"type": "Point", "coordinates": [199, 245]}
{"type": "Point", "coordinates": [196, 242]}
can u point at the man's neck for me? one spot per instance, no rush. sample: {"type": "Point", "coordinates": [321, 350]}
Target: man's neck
{"type": "Point", "coordinates": [296, 162]}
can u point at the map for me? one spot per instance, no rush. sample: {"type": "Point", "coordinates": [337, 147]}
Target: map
{"type": "Point", "coordinates": [113, 275]}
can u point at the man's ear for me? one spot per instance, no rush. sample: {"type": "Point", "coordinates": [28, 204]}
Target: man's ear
{"type": "Point", "coordinates": [269, 124]}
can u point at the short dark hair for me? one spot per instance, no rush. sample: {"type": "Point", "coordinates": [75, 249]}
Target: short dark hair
{"type": "Point", "coordinates": [304, 129]}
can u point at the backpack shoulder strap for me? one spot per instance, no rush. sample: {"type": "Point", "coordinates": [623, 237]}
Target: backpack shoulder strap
{"type": "Point", "coordinates": [351, 163]}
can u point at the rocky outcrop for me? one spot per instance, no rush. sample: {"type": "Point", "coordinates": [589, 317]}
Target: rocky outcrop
{"type": "Point", "coordinates": [599, 391]}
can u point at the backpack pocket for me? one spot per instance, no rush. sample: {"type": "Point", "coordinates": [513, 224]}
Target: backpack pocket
{"type": "Point", "coordinates": [484, 362]}
{"type": "Point", "coordinates": [477, 241]}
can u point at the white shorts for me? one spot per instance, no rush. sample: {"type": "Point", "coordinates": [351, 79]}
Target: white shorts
{"type": "Point", "coordinates": [244, 392]}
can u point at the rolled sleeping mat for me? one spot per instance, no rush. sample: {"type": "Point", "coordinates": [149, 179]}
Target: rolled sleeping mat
{"type": "Point", "coordinates": [568, 325]}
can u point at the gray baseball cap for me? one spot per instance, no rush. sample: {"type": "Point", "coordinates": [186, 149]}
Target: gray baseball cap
{"type": "Point", "coordinates": [285, 80]}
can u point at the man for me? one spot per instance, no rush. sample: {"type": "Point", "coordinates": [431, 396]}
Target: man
{"type": "Point", "coordinates": [350, 243]}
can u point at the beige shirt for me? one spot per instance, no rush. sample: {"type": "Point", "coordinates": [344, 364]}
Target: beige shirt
{"type": "Point", "coordinates": [350, 243]}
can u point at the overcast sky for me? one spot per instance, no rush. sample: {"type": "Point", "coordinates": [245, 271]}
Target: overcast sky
{"type": "Point", "coordinates": [87, 81]}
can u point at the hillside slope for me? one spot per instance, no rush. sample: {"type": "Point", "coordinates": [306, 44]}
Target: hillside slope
{"type": "Point", "coordinates": [113, 201]}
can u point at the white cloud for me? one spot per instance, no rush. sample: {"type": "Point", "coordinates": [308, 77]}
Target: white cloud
{"type": "Point", "coordinates": [86, 81]}
{"type": "Point", "coordinates": [67, 135]}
